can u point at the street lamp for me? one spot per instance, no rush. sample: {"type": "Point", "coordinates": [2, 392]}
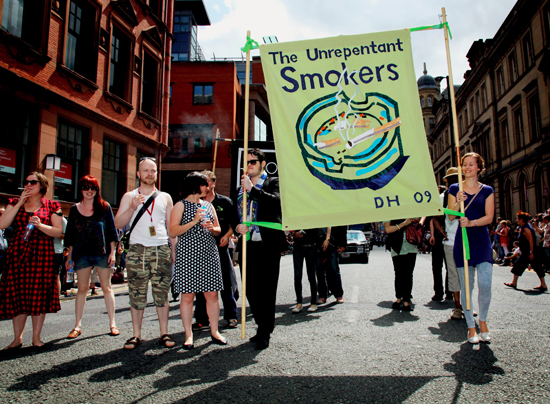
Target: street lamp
{"type": "Point", "coordinates": [53, 162]}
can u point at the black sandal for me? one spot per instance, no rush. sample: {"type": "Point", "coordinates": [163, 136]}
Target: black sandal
{"type": "Point", "coordinates": [132, 343]}
{"type": "Point", "coordinates": [166, 338]}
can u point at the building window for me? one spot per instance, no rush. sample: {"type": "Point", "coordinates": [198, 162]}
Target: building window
{"type": "Point", "coordinates": [422, 102]}
{"type": "Point", "coordinates": [241, 74]}
{"type": "Point", "coordinates": [189, 143]}
{"type": "Point", "coordinates": [466, 118]}
{"type": "Point", "coordinates": [483, 96]}
{"type": "Point", "coordinates": [72, 142]}
{"type": "Point", "coordinates": [534, 116]}
{"type": "Point", "coordinates": [505, 137]}
{"type": "Point", "coordinates": [500, 82]}
{"type": "Point", "coordinates": [120, 73]}
{"type": "Point", "coordinates": [24, 19]}
{"type": "Point", "coordinates": [18, 142]}
{"type": "Point", "coordinates": [513, 67]}
{"type": "Point", "coordinates": [156, 6]}
{"type": "Point", "coordinates": [150, 85]}
{"type": "Point", "coordinates": [80, 54]}
{"type": "Point", "coordinates": [523, 192]}
{"type": "Point", "coordinates": [473, 112]}
{"type": "Point", "coordinates": [460, 125]}
{"type": "Point", "coordinates": [171, 88]}
{"type": "Point", "coordinates": [517, 122]}
{"type": "Point", "coordinates": [185, 46]}
{"type": "Point", "coordinates": [429, 101]}
{"type": "Point", "coordinates": [431, 125]}
{"type": "Point", "coordinates": [480, 146]}
{"type": "Point", "coordinates": [477, 104]}
{"type": "Point", "coordinates": [203, 94]}
{"type": "Point", "coordinates": [111, 176]}
{"type": "Point", "coordinates": [260, 130]}
{"type": "Point", "coordinates": [528, 56]}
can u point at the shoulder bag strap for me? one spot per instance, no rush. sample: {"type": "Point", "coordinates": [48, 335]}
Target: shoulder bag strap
{"type": "Point", "coordinates": [480, 188]}
{"type": "Point", "coordinates": [142, 211]}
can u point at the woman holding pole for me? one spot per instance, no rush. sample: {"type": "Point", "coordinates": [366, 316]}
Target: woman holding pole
{"type": "Point", "coordinates": [480, 207]}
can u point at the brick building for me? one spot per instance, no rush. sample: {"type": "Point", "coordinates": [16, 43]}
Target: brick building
{"type": "Point", "coordinates": [503, 110]}
{"type": "Point", "coordinates": [87, 81]}
{"type": "Point", "coordinates": [207, 97]}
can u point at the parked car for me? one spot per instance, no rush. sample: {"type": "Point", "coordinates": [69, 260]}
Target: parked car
{"type": "Point", "coordinates": [357, 247]}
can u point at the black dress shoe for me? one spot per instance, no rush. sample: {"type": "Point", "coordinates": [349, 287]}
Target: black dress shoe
{"type": "Point", "coordinates": [187, 347]}
{"type": "Point", "coordinates": [437, 298]}
{"type": "Point", "coordinates": [262, 343]}
{"type": "Point", "coordinates": [396, 305]}
{"type": "Point", "coordinates": [222, 341]}
{"type": "Point", "coordinates": [254, 338]}
{"type": "Point", "coordinates": [408, 307]}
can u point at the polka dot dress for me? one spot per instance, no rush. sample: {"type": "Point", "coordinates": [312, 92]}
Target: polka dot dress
{"type": "Point", "coordinates": [197, 267]}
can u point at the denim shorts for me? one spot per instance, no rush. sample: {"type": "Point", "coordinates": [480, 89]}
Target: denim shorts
{"type": "Point", "coordinates": [85, 261]}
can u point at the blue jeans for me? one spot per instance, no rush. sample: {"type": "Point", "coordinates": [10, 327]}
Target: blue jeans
{"type": "Point", "coordinates": [311, 256]}
{"type": "Point", "coordinates": [484, 283]}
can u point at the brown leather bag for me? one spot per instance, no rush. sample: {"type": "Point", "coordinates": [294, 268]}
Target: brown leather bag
{"type": "Point", "coordinates": [414, 233]}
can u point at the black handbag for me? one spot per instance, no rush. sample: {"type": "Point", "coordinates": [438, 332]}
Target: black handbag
{"type": "Point", "coordinates": [125, 239]}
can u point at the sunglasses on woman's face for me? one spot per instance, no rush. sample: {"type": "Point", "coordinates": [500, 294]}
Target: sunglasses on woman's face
{"type": "Point", "coordinates": [31, 182]}
{"type": "Point", "coordinates": [88, 187]}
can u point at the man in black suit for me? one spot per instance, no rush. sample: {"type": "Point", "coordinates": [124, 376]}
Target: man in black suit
{"type": "Point", "coordinates": [265, 245]}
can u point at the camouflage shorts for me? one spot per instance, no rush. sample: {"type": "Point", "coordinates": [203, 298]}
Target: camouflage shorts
{"type": "Point", "coordinates": [144, 264]}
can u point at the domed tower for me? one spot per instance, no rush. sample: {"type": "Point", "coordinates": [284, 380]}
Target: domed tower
{"type": "Point", "coordinates": [429, 91]}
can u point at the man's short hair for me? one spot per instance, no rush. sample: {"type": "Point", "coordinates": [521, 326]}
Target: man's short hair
{"type": "Point", "coordinates": [257, 153]}
{"type": "Point", "coordinates": [211, 176]}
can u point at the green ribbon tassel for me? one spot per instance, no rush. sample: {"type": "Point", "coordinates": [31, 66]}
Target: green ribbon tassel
{"type": "Point", "coordinates": [464, 234]}
{"type": "Point", "coordinates": [269, 225]}
{"type": "Point", "coordinates": [249, 45]}
{"type": "Point", "coordinates": [438, 26]}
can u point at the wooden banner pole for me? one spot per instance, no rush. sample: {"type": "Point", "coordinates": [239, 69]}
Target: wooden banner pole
{"type": "Point", "coordinates": [215, 150]}
{"type": "Point", "coordinates": [457, 147]}
{"type": "Point", "coordinates": [245, 171]}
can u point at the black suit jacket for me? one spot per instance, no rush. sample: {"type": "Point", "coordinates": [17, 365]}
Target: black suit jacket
{"type": "Point", "coordinates": [269, 210]}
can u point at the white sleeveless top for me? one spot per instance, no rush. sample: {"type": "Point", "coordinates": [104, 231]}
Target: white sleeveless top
{"type": "Point", "coordinates": [141, 234]}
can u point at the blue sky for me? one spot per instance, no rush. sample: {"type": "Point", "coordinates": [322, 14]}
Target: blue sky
{"type": "Point", "coordinates": [292, 20]}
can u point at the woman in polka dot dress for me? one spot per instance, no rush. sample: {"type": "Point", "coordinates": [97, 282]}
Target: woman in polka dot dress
{"type": "Point", "coordinates": [197, 266]}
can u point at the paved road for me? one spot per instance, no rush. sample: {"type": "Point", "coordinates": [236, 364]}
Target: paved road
{"type": "Point", "coordinates": [357, 352]}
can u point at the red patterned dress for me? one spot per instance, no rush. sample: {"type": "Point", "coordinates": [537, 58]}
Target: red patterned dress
{"type": "Point", "coordinates": [29, 283]}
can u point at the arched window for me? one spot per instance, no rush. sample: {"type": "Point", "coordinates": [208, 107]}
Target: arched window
{"type": "Point", "coordinates": [422, 102]}
{"type": "Point", "coordinates": [508, 200]}
{"type": "Point", "coordinates": [541, 191]}
{"type": "Point", "coordinates": [429, 101]}
{"type": "Point", "coordinates": [523, 194]}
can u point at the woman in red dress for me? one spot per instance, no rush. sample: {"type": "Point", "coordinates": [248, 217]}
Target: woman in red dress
{"type": "Point", "coordinates": [29, 283]}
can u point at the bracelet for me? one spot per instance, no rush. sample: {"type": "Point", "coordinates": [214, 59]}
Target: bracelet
{"type": "Point", "coordinates": [475, 222]}
{"type": "Point", "coordinates": [398, 226]}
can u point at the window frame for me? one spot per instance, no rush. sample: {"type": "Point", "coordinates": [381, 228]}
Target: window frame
{"type": "Point", "coordinates": [115, 24]}
{"type": "Point", "coordinates": [517, 125]}
{"type": "Point", "coordinates": [120, 185]}
{"type": "Point", "coordinates": [94, 47]}
{"type": "Point", "coordinates": [156, 107]}
{"type": "Point", "coordinates": [203, 96]}
{"type": "Point", "coordinates": [513, 69]}
{"type": "Point", "coordinates": [535, 125]}
{"type": "Point", "coordinates": [528, 52]}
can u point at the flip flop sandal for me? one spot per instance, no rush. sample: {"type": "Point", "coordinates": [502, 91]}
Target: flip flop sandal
{"type": "Point", "coordinates": [114, 331]}
{"type": "Point", "coordinates": [132, 343]}
{"type": "Point", "coordinates": [74, 333]}
{"type": "Point", "coordinates": [510, 285]}
{"type": "Point", "coordinates": [165, 339]}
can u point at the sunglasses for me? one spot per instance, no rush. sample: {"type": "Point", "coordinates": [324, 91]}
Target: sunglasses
{"type": "Point", "coordinates": [88, 187]}
{"type": "Point", "coordinates": [147, 158]}
{"type": "Point", "coordinates": [31, 182]}
{"type": "Point", "coordinates": [252, 162]}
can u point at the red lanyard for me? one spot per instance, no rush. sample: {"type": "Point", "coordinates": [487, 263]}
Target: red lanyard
{"type": "Point", "coordinates": [152, 206]}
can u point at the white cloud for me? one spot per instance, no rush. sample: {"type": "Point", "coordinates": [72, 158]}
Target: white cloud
{"type": "Point", "coordinates": [292, 20]}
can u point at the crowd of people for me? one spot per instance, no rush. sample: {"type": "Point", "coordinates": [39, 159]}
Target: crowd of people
{"type": "Point", "coordinates": [187, 248]}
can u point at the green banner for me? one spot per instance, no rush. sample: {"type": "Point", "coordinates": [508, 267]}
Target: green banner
{"type": "Point", "coordinates": [348, 129]}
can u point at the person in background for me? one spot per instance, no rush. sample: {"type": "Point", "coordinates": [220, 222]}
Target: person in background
{"type": "Point", "coordinates": [328, 273]}
{"type": "Point", "coordinates": [479, 201]}
{"type": "Point", "coordinates": [224, 209]}
{"type": "Point", "coordinates": [504, 236]}
{"type": "Point", "coordinates": [546, 241]}
{"type": "Point", "coordinates": [306, 248]}
{"type": "Point", "coordinates": [530, 254]}
{"type": "Point", "coordinates": [91, 237]}
{"type": "Point", "coordinates": [29, 283]}
{"type": "Point", "coordinates": [403, 255]}
{"type": "Point", "coordinates": [59, 256]}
